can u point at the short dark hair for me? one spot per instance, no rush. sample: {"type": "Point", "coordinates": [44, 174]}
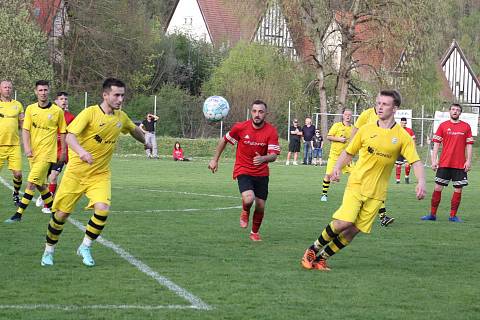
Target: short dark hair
{"type": "Point", "coordinates": [42, 83]}
{"type": "Point", "coordinates": [456, 105]}
{"type": "Point", "coordinates": [61, 93]}
{"type": "Point", "coordinates": [403, 119]}
{"type": "Point", "coordinates": [346, 109]}
{"type": "Point", "coordinates": [111, 82]}
{"type": "Point", "coordinates": [259, 102]}
{"type": "Point", "coordinates": [397, 98]}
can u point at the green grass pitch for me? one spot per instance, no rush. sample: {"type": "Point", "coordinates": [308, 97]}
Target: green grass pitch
{"type": "Point", "coordinates": [410, 270]}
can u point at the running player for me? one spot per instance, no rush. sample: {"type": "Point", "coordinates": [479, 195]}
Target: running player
{"type": "Point", "coordinates": [401, 160]}
{"type": "Point", "coordinates": [257, 145]}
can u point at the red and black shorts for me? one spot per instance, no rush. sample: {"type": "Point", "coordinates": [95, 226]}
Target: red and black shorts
{"type": "Point", "coordinates": [259, 185]}
{"type": "Point", "coordinates": [458, 177]}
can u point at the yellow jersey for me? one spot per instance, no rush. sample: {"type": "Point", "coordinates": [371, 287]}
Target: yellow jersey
{"type": "Point", "coordinates": [97, 133]}
{"type": "Point", "coordinates": [9, 114]}
{"type": "Point", "coordinates": [367, 116]}
{"type": "Point", "coordinates": [43, 125]}
{"type": "Point", "coordinates": [339, 130]}
{"type": "Point", "coordinates": [378, 149]}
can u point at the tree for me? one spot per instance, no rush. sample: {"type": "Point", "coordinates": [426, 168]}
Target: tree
{"type": "Point", "coordinates": [23, 53]}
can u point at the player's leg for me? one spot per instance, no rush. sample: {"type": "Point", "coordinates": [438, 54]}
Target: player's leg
{"type": "Point", "coordinates": [295, 156]}
{"type": "Point", "coordinates": [398, 169]}
{"type": "Point", "coordinates": [153, 141]}
{"type": "Point", "coordinates": [245, 186]}
{"type": "Point", "coordinates": [382, 215]}
{"type": "Point", "coordinates": [459, 180]}
{"type": "Point", "coordinates": [407, 172]}
{"type": "Point", "coordinates": [68, 194]}
{"type": "Point", "coordinates": [14, 159]}
{"type": "Point", "coordinates": [326, 180]}
{"type": "Point", "coordinates": [53, 178]}
{"type": "Point", "coordinates": [148, 151]}
{"type": "Point", "coordinates": [442, 178]}
{"type": "Point", "coordinates": [47, 198]}
{"type": "Point", "coordinates": [288, 158]}
{"type": "Point", "coordinates": [23, 204]}
{"type": "Point", "coordinates": [99, 193]}
{"type": "Point", "coordinates": [17, 184]}
{"type": "Point", "coordinates": [260, 185]}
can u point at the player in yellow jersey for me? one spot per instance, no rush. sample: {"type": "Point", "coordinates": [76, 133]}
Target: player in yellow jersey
{"type": "Point", "coordinates": [378, 145]}
{"type": "Point", "coordinates": [42, 121]}
{"type": "Point", "coordinates": [339, 135]}
{"type": "Point", "coordinates": [369, 116]}
{"type": "Point", "coordinates": [11, 118]}
{"type": "Point", "coordinates": [91, 139]}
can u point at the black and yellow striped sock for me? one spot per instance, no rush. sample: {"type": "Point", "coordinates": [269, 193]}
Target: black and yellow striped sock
{"type": "Point", "coordinates": [382, 211]}
{"type": "Point", "coordinates": [96, 224]}
{"type": "Point", "coordinates": [55, 228]}
{"type": "Point", "coordinates": [17, 184]}
{"type": "Point", "coordinates": [47, 197]}
{"type": "Point", "coordinates": [326, 185]}
{"type": "Point", "coordinates": [334, 246]}
{"type": "Point", "coordinates": [328, 234]}
{"type": "Point", "coordinates": [27, 197]}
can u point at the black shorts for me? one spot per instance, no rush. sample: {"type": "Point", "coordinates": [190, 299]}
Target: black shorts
{"type": "Point", "coordinates": [400, 160]}
{"type": "Point", "coordinates": [458, 176]}
{"type": "Point", "coordinates": [259, 185]}
{"type": "Point", "coordinates": [294, 146]}
{"type": "Point", "coordinates": [56, 167]}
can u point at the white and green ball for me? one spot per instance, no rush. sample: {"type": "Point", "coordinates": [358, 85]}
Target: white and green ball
{"type": "Point", "coordinates": [215, 108]}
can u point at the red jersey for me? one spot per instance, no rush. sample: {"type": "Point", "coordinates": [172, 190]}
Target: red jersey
{"type": "Point", "coordinates": [68, 118]}
{"type": "Point", "coordinates": [410, 132]}
{"type": "Point", "coordinates": [251, 141]}
{"type": "Point", "coordinates": [177, 154]}
{"type": "Point", "coordinates": [454, 137]}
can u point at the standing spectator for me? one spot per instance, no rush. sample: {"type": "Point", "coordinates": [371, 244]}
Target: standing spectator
{"type": "Point", "coordinates": [308, 132]}
{"type": "Point", "coordinates": [317, 142]}
{"type": "Point", "coordinates": [401, 160]}
{"type": "Point", "coordinates": [148, 128]}
{"type": "Point", "coordinates": [178, 153]}
{"type": "Point", "coordinates": [257, 145]}
{"type": "Point", "coordinates": [294, 145]}
{"type": "Point", "coordinates": [455, 136]}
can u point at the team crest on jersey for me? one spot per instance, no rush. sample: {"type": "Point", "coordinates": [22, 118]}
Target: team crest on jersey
{"type": "Point", "coordinates": [50, 117]}
{"type": "Point", "coordinates": [394, 140]}
{"type": "Point", "coordinates": [119, 124]}
{"type": "Point", "coordinates": [246, 137]}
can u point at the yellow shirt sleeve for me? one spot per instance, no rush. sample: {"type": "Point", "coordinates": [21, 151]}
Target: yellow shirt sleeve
{"type": "Point", "coordinates": [333, 130]}
{"type": "Point", "coordinates": [409, 151]}
{"type": "Point", "coordinates": [128, 125]}
{"type": "Point", "coordinates": [80, 122]}
{"type": "Point", "coordinates": [27, 120]}
{"type": "Point", "coordinates": [355, 145]}
{"type": "Point", "coordinates": [62, 124]}
{"type": "Point", "coordinates": [362, 119]}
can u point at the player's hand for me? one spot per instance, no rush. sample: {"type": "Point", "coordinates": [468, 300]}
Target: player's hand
{"type": "Point", "coordinates": [213, 165]}
{"type": "Point", "coordinates": [258, 159]}
{"type": "Point", "coordinates": [467, 166]}
{"type": "Point", "coordinates": [29, 153]}
{"type": "Point", "coordinates": [86, 157]}
{"type": "Point", "coordinates": [420, 190]}
{"type": "Point", "coordinates": [434, 166]}
{"type": "Point", "coordinates": [343, 139]}
{"type": "Point", "coordinates": [335, 176]}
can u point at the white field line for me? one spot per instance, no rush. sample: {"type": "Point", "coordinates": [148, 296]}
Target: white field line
{"type": "Point", "coordinates": [174, 210]}
{"type": "Point", "coordinates": [180, 192]}
{"type": "Point", "coordinates": [196, 303]}
{"type": "Point", "coordinates": [93, 306]}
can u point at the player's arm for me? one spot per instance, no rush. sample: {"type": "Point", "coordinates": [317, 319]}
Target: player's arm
{"type": "Point", "coordinates": [63, 148]}
{"type": "Point", "coordinates": [213, 164]}
{"type": "Point", "coordinates": [155, 118]}
{"type": "Point", "coordinates": [434, 159]}
{"type": "Point", "coordinates": [138, 135]}
{"type": "Point", "coordinates": [27, 147]}
{"type": "Point", "coordinates": [258, 159]}
{"type": "Point", "coordinates": [344, 159]}
{"type": "Point", "coordinates": [21, 116]}
{"type": "Point", "coordinates": [468, 162]}
{"type": "Point", "coordinates": [419, 172]}
{"type": "Point", "coordinates": [75, 146]}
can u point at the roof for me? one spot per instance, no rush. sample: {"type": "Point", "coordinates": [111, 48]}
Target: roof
{"type": "Point", "coordinates": [44, 12]}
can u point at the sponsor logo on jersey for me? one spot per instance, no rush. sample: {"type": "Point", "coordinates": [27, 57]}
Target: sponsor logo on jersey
{"type": "Point", "coordinates": [246, 137]}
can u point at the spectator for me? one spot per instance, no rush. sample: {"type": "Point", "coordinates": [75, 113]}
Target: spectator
{"type": "Point", "coordinates": [317, 142]}
{"type": "Point", "coordinates": [148, 128]}
{"type": "Point", "coordinates": [178, 153]}
{"type": "Point", "coordinates": [294, 145]}
{"type": "Point", "coordinates": [308, 132]}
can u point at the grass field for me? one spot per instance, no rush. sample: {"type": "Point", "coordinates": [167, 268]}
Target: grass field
{"type": "Point", "coordinates": [166, 219]}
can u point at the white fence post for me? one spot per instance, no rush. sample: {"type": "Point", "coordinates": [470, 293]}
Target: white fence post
{"type": "Point", "coordinates": [289, 120]}
{"type": "Point", "coordinates": [86, 100]}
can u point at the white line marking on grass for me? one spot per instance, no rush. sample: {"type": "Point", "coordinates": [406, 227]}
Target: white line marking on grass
{"type": "Point", "coordinates": [181, 192]}
{"type": "Point", "coordinates": [174, 210]}
{"type": "Point", "coordinates": [196, 303]}
{"type": "Point", "coordinates": [94, 306]}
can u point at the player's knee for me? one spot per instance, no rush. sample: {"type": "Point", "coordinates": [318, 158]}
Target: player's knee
{"type": "Point", "coordinates": [438, 187]}
{"type": "Point", "coordinates": [102, 206]}
{"type": "Point", "coordinates": [62, 215]}
{"type": "Point", "coordinates": [17, 175]}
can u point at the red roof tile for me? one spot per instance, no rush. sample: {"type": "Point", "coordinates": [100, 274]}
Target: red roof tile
{"type": "Point", "coordinates": [44, 12]}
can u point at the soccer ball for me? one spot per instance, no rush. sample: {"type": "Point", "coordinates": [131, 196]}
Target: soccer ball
{"type": "Point", "coordinates": [215, 108]}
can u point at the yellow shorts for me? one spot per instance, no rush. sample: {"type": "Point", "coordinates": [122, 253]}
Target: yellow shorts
{"type": "Point", "coordinates": [331, 164]}
{"type": "Point", "coordinates": [358, 209]}
{"type": "Point", "coordinates": [97, 190]}
{"type": "Point", "coordinates": [13, 155]}
{"type": "Point", "coordinates": [38, 172]}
